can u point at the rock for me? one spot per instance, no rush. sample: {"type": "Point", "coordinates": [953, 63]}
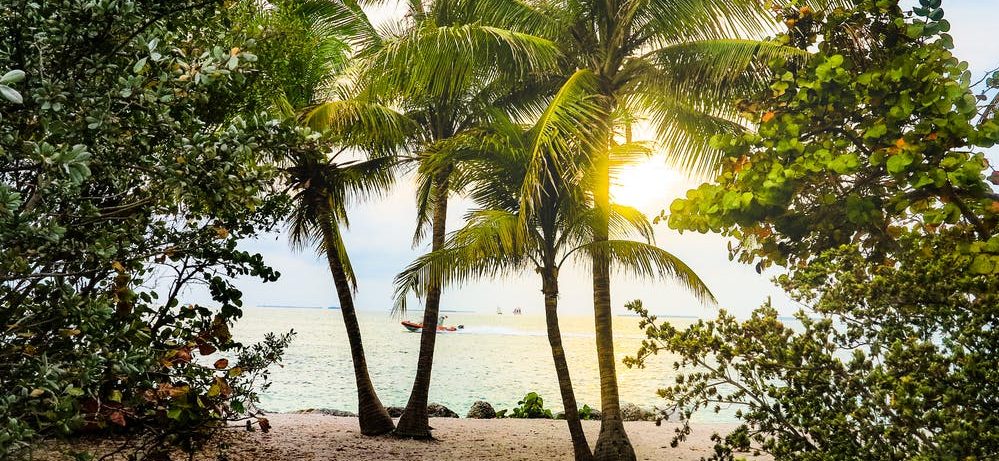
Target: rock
{"type": "Point", "coordinates": [632, 412]}
{"type": "Point", "coordinates": [594, 415]}
{"type": "Point", "coordinates": [326, 411]}
{"type": "Point", "coordinates": [330, 412]}
{"type": "Point", "coordinates": [481, 410]}
{"type": "Point", "coordinates": [436, 410]}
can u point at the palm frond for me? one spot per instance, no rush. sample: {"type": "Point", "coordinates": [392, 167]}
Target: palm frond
{"type": "Point", "coordinates": [492, 244]}
{"type": "Point", "coordinates": [684, 131]}
{"type": "Point", "coordinates": [535, 18]}
{"type": "Point", "coordinates": [437, 61]}
{"type": "Point", "coordinates": [333, 239]}
{"type": "Point", "coordinates": [425, 206]}
{"type": "Point", "coordinates": [363, 180]}
{"type": "Point", "coordinates": [719, 69]}
{"type": "Point", "coordinates": [567, 126]}
{"type": "Point", "coordinates": [343, 18]}
{"type": "Point", "coordinates": [646, 260]}
{"type": "Point", "coordinates": [629, 153]}
{"type": "Point", "coordinates": [626, 221]}
{"type": "Point", "coordinates": [367, 125]}
{"type": "Point", "coordinates": [677, 21]}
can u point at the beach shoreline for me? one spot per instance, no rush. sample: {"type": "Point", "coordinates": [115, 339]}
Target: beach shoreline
{"type": "Point", "coordinates": [321, 437]}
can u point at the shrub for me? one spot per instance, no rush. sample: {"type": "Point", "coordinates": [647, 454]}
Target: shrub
{"type": "Point", "coordinates": [531, 406]}
{"type": "Point", "coordinates": [865, 179]}
{"type": "Point", "coordinates": [128, 173]}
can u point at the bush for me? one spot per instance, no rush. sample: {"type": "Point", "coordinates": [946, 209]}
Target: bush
{"type": "Point", "coordinates": [865, 179]}
{"type": "Point", "coordinates": [128, 174]}
{"type": "Point", "coordinates": [531, 406]}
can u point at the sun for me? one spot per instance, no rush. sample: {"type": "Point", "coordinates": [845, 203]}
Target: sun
{"type": "Point", "coordinates": [648, 185]}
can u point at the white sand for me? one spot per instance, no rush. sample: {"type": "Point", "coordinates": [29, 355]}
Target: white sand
{"type": "Point", "coordinates": [320, 437]}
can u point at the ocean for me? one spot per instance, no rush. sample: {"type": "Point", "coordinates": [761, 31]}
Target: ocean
{"type": "Point", "coordinates": [496, 358]}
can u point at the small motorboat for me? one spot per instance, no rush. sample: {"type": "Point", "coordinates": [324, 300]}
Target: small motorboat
{"type": "Point", "coordinates": [418, 327]}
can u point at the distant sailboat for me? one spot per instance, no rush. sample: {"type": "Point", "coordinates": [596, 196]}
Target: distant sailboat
{"type": "Point", "coordinates": [499, 311]}
{"type": "Point", "coordinates": [516, 311]}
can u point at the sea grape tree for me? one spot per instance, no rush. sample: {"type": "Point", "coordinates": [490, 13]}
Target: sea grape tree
{"type": "Point", "coordinates": [127, 175]}
{"type": "Point", "coordinates": [877, 135]}
{"type": "Point", "coordinates": [866, 182]}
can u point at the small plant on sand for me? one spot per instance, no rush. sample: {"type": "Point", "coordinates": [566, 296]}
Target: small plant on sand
{"type": "Point", "coordinates": [532, 406]}
{"type": "Point", "coordinates": [588, 413]}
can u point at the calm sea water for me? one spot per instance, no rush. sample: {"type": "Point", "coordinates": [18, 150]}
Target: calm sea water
{"type": "Point", "coordinates": [496, 358]}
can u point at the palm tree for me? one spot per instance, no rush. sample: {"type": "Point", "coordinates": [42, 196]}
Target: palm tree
{"type": "Point", "coordinates": [503, 238]}
{"type": "Point", "coordinates": [677, 65]}
{"type": "Point", "coordinates": [447, 72]}
{"type": "Point", "coordinates": [323, 188]}
{"type": "Point", "coordinates": [303, 54]}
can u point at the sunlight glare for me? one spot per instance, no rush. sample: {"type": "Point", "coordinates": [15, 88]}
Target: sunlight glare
{"type": "Point", "coordinates": [648, 185]}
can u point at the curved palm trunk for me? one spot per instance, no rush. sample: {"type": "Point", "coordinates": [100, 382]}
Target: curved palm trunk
{"type": "Point", "coordinates": [371, 415]}
{"type": "Point", "coordinates": [613, 443]}
{"type": "Point", "coordinates": [414, 421]}
{"type": "Point", "coordinates": [580, 448]}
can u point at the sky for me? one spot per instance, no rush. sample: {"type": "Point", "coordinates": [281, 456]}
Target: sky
{"type": "Point", "coordinates": [380, 237]}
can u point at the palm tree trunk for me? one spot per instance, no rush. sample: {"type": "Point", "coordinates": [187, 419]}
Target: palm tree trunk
{"type": "Point", "coordinates": [414, 421]}
{"type": "Point", "coordinates": [371, 415]}
{"type": "Point", "coordinates": [580, 448]}
{"type": "Point", "coordinates": [612, 443]}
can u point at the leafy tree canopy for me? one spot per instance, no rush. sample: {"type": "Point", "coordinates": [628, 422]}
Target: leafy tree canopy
{"type": "Point", "coordinates": [128, 174]}
{"type": "Point", "coordinates": [875, 136]}
{"type": "Point", "coordinates": [865, 180]}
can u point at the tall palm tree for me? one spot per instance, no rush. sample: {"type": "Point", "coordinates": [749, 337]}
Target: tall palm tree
{"type": "Point", "coordinates": [677, 65]}
{"type": "Point", "coordinates": [323, 189]}
{"type": "Point", "coordinates": [446, 71]}
{"type": "Point", "coordinates": [304, 52]}
{"type": "Point", "coordinates": [502, 238]}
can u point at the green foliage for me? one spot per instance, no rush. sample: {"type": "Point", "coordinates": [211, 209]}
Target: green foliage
{"type": "Point", "coordinates": [897, 361]}
{"type": "Point", "coordinates": [865, 181]}
{"type": "Point", "coordinates": [587, 413]}
{"type": "Point", "coordinates": [868, 139]}
{"type": "Point", "coordinates": [532, 406]}
{"type": "Point", "coordinates": [6, 91]}
{"type": "Point", "coordinates": [127, 175]}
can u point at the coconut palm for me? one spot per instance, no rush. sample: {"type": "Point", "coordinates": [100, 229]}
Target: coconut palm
{"type": "Point", "coordinates": [675, 65]}
{"type": "Point", "coordinates": [446, 71]}
{"type": "Point", "coordinates": [304, 53]}
{"type": "Point", "coordinates": [323, 187]}
{"type": "Point", "coordinates": [501, 238]}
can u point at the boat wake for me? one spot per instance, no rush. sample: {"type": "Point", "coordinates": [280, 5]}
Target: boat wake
{"type": "Point", "coordinates": [500, 331]}
{"type": "Point", "coordinates": [508, 331]}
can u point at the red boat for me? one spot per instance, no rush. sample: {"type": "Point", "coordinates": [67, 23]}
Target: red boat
{"type": "Point", "coordinates": [417, 327]}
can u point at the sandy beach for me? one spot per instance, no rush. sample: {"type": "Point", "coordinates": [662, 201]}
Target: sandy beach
{"type": "Point", "coordinates": [318, 437]}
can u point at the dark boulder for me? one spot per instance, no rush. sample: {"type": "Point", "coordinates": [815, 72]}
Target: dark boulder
{"type": "Point", "coordinates": [326, 411]}
{"type": "Point", "coordinates": [436, 410]}
{"type": "Point", "coordinates": [481, 410]}
{"type": "Point", "coordinates": [632, 412]}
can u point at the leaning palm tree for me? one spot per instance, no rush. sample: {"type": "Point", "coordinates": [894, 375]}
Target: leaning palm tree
{"type": "Point", "coordinates": [677, 65]}
{"type": "Point", "coordinates": [306, 49]}
{"type": "Point", "coordinates": [446, 71]}
{"type": "Point", "coordinates": [501, 238]}
{"type": "Point", "coordinates": [323, 188]}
